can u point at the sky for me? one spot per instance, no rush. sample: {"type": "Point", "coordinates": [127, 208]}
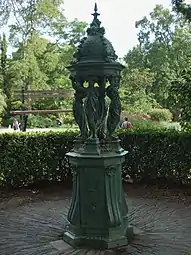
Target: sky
{"type": "Point", "coordinates": [117, 16]}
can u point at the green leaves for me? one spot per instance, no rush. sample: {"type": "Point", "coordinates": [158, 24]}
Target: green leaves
{"type": "Point", "coordinates": [44, 43]}
{"type": "Point", "coordinates": [154, 156]}
{"type": "Point", "coordinates": [181, 7]}
{"type": "Point", "coordinates": [161, 115]}
{"type": "Point", "coordinates": [2, 105]}
{"type": "Point", "coordinates": [165, 51]}
{"type": "Point", "coordinates": [135, 90]}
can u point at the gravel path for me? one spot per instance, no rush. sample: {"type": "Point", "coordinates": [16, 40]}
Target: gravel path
{"type": "Point", "coordinates": [31, 224]}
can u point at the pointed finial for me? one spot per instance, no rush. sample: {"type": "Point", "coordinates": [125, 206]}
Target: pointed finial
{"type": "Point", "coordinates": [95, 25]}
{"type": "Point", "coordinates": [95, 8]}
{"type": "Point", "coordinates": [95, 14]}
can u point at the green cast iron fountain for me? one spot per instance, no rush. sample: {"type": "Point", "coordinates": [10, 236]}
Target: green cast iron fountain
{"type": "Point", "coordinates": [98, 221]}
{"type": "Point", "coordinates": [98, 215]}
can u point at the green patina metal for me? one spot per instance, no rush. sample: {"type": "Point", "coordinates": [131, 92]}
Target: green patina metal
{"type": "Point", "coordinates": [98, 215]}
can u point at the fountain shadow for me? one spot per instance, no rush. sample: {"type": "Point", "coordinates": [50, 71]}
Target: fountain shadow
{"type": "Point", "coordinates": [162, 227]}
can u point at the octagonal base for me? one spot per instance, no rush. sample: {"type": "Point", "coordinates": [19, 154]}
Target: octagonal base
{"type": "Point", "coordinates": [98, 215]}
{"type": "Point", "coordinates": [94, 243]}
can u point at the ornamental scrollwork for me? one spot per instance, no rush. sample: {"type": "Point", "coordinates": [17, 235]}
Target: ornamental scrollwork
{"type": "Point", "coordinates": [95, 77]}
{"type": "Point", "coordinates": [110, 170]}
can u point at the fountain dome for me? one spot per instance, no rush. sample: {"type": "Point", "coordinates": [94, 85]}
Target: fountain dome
{"type": "Point", "coordinates": [95, 47]}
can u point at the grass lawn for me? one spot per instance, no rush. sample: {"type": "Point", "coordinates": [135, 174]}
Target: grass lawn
{"type": "Point", "coordinates": [137, 124]}
{"type": "Point", "coordinates": [149, 124]}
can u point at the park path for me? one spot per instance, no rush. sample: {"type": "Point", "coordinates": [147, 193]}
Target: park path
{"type": "Point", "coordinates": [32, 221]}
{"type": "Point", "coordinates": [10, 130]}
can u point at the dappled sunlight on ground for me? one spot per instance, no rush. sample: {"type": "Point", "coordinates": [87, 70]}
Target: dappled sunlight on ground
{"type": "Point", "coordinates": [32, 221]}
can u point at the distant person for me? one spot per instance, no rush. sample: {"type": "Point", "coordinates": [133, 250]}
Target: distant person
{"type": "Point", "coordinates": [126, 124]}
{"type": "Point", "coordinates": [15, 125]}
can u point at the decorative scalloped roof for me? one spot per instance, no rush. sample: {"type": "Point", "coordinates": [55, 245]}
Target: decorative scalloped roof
{"type": "Point", "coordinates": [95, 47]}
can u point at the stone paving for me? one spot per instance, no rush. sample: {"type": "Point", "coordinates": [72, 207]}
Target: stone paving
{"type": "Point", "coordinates": [35, 227]}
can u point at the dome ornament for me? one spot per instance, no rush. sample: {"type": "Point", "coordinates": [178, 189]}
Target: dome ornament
{"type": "Point", "coordinates": [95, 14]}
{"type": "Point", "coordinates": [95, 25]}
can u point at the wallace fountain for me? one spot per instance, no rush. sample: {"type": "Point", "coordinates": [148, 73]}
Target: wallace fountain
{"type": "Point", "coordinates": [100, 218]}
{"type": "Point", "coordinates": [98, 214]}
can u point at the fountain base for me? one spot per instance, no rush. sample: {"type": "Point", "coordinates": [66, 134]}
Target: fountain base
{"type": "Point", "coordinates": [98, 214]}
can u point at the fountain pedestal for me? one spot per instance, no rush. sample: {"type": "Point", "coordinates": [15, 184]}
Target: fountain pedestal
{"type": "Point", "coordinates": [98, 212]}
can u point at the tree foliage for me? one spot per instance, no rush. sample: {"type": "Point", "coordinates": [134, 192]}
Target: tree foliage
{"type": "Point", "coordinates": [157, 73]}
{"type": "Point", "coordinates": [2, 104]}
{"type": "Point", "coordinates": [165, 50]}
{"type": "Point", "coordinates": [135, 93]}
{"type": "Point", "coordinates": [181, 7]}
{"type": "Point", "coordinates": [43, 43]}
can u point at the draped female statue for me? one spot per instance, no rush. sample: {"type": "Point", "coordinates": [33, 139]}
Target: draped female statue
{"type": "Point", "coordinates": [92, 109]}
{"type": "Point", "coordinates": [102, 110]}
{"type": "Point", "coordinates": [78, 107]}
{"type": "Point", "coordinates": [114, 107]}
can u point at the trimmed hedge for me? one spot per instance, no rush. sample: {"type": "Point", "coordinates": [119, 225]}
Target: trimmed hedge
{"type": "Point", "coordinates": [154, 156]}
{"type": "Point", "coordinates": [158, 156]}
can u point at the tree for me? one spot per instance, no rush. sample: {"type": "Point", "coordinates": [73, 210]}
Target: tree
{"type": "Point", "coordinates": [182, 86]}
{"type": "Point", "coordinates": [29, 16]}
{"type": "Point", "coordinates": [135, 58]}
{"type": "Point", "coordinates": [2, 104]}
{"type": "Point", "coordinates": [4, 66]}
{"type": "Point", "coordinates": [135, 90]}
{"type": "Point", "coordinates": [155, 36]}
{"type": "Point", "coordinates": [181, 7]}
{"type": "Point", "coordinates": [164, 49]}
{"type": "Point", "coordinates": [37, 62]}
{"type": "Point", "coordinates": [44, 43]}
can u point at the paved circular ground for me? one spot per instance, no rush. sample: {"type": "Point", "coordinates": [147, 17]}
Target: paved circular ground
{"type": "Point", "coordinates": [33, 226]}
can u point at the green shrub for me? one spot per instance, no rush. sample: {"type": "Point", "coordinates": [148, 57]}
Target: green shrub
{"type": "Point", "coordinates": [34, 121]}
{"type": "Point", "coordinates": [161, 115]}
{"type": "Point", "coordinates": [145, 124]}
{"type": "Point", "coordinates": [153, 125]}
{"type": "Point", "coordinates": [68, 119]}
{"type": "Point", "coordinates": [27, 158]}
{"type": "Point", "coordinates": [158, 156]}
{"type": "Point", "coordinates": [42, 121]}
{"type": "Point", "coordinates": [38, 121]}
{"type": "Point", "coordinates": [2, 102]}
{"type": "Point", "coordinates": [186, 126]}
